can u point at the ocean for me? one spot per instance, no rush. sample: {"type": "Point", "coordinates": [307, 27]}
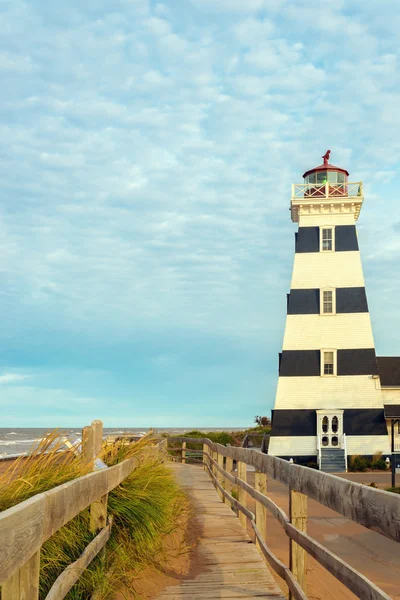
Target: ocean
{"type": "Point", "coordinates": [16, 441]}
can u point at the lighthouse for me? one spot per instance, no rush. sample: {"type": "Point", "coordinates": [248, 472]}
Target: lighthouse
{"type": "Point", "coordinates": [329, 402]}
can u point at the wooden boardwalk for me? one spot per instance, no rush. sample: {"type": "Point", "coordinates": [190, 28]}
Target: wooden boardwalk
{"type": "Point", "coordinates": [232, 567]}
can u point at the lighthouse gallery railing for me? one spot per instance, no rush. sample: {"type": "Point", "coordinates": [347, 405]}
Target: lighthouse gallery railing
{"type": "Point", "coordinates": [301, 191]}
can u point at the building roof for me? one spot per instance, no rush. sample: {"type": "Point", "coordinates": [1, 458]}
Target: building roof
{"type": "Point", "coordinates": [392, 411]}
{"type": "Point", "coordinates": [389, 370]}
{"type": "Point", "coordinates": [326, 167]}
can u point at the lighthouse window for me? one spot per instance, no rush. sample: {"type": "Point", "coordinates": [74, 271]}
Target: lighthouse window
{"type": "Point", "coordinates": [326, 239]}
{"type": "Point", "coordinates": [328, 302]}
{"type": "Point", "coordinates": [328, 362]}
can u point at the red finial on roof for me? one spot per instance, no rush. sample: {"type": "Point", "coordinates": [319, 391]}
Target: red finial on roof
{"type": "Point", "coordinates": [326, 157]}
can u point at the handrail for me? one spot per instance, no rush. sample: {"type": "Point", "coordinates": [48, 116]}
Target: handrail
{"type": "Point", "coordinates": [370, 507]}
{"type": "Point", "coordinates": [319, 452]}
{"type": "Point", "coordinates": [346, 460]}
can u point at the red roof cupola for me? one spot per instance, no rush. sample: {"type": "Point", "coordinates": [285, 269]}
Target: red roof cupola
{"type": "Point", "coordinates": [326, 172]}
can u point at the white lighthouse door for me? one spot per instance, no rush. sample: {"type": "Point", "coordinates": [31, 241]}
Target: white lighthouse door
{"type": "Point", "coordinates": [330, 428]}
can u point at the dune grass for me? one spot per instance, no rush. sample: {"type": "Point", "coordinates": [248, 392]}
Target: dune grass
{"type": "Point", "coordinates": [147, 508]}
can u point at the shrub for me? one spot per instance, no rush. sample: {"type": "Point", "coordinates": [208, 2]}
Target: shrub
{"type": "Point", "coordinates": [359, 463]}
{"type": "Point", "coordinates": [378, 462]}
{"type": "Point", "coordinates": [394, 490]}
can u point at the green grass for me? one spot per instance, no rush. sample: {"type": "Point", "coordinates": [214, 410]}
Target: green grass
{"type": "Point", "coordinates": [147, 508]}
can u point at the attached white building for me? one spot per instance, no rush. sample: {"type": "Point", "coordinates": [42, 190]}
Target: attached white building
{"type": "Point", "coordinates": [329, 402]}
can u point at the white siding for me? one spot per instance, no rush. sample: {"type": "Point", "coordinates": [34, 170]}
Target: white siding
{"type": "Point", "coordinates": [309, 332]}
{"type": "Point", "coordinates": [391, 395]}
{"type": "Point", "coordinates": [317, 220]}
{"type": "Point", "coordinates": [327, 269]}
{"type": "Point", "coordinates": [368, 444]}
{"type": "Point", "coordinates": [307, 445]}
{"type": "Point", "coordinates": [352, 391]}
{"type": "Point", "coordinates": [292, 446]}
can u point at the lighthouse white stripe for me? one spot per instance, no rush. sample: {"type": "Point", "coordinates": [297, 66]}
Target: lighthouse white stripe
{"type": "Point", "coordinates": [341, 331]}
{"type": "Point", "coordinates": [352, 391]}
{"type": "Point", "coordinates": [307, 445]}
{"type": "Point", "coordinates": [316, 220]}
{"type": "Point", "coordinates": [292, 446]}
{"type": "Point", "coordinates": [333, 269]}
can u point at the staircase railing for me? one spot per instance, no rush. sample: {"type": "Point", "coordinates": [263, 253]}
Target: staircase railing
{"type": "Point", "coordinates": [345, 451]}
{"type": "Point", "coordinates": [319, 452]}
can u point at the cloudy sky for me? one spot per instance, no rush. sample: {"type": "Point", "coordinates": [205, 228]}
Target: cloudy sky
{"type": "Point", "coordinates": [147, 153]}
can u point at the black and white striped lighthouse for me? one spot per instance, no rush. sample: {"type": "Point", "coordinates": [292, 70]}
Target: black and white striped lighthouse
{"type": "Point", "coordinates": [329, 401]}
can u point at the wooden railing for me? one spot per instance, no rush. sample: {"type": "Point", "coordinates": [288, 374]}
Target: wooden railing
{"type": "Point", "coordinates": [25, 527]}
{"type": "Point", "coordinates": [372, 508]}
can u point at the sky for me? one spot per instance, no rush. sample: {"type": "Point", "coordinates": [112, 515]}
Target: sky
{"type": "Point", "coordinates": [147, 154]}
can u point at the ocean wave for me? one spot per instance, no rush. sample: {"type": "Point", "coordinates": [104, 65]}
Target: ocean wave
{"type": "Point", "coordinates": [13, 443]}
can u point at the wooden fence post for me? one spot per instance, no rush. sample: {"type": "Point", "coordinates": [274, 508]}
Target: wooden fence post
{"type": "Point", "coordinates": [242, 474]}
{"type": "Point", "coordinates": [298, 518]}
{"type": "Point", "coordinates": [213, 468]}
{"type": "Point", "coordinates": [87, 445]}
{"type": "Point", "coordinates": [98, 510]}
{"type": "Point", "coordinates": [229, 469]}
{"type": "Point", "coordinates": [205, 460]}
{"type": "Point", "coordinates": [261, 511]}
{"type": "Point", "coordinates": [221, 478]}
{"type": "Point", "coordinates": [98, 437]}
{"type": "Point", "coordinates": [183, 460]}
{"type": "Point", "coordinates": [24, 584]}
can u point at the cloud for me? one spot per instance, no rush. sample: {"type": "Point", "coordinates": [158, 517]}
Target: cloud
{"type": "Point", "coordinates": [147, 174]}
{"type": "Point", "coordinates": [11, 378]}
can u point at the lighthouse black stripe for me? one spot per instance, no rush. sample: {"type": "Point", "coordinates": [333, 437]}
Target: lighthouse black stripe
{"type": "Point", "coordinates": [357, 362]}
{"type": "Point", "coordinates": [297, 422]}
{"type": "Point", "coordinates": [351, 300]}
{"type": "Point", "coordinates": [307, 363]}
{"type": "Point", "coordinates": [303, 302]}
{"type": "Point", "coordinates": [307, 302]}
{"type": "Point", "coordinates": [300, 363]}
{"type": "Point", "coordinates": [307, 239]}
{"type": "Point", "coordinates": [345, 238]}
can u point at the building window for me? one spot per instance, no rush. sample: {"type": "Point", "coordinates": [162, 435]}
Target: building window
{"type": "Point", "coordinates": [328, 362]}
{"type": "Point", "coordinates": [328, 301]}
{"type": "Point", "coordinates": [327, 239]}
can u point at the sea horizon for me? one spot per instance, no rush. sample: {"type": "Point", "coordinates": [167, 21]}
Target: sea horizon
{"type": "Point", "coordinates": [15, 441]}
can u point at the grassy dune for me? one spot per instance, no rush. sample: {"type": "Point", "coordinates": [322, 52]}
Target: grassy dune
{"type": "Point", "coordinates": [147, 508]}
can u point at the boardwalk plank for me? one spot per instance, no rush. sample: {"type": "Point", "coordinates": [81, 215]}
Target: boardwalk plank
{"type": "Point", "coordinates": [234, 569]}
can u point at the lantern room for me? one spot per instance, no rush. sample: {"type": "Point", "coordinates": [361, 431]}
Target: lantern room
{"type": "Point", "coordinates": [326, 173]}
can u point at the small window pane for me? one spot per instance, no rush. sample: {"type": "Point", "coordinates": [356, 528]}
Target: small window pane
{"type": "Point", "coordinates": [328, 363]}
{"type": "Point", "coordinates": [325, 425]}
{"type": "Point", "coordinates": [327, 304]}
{"type": "Point", "coordinates": [332, 176]}
{"type": "Point", "coordinates": [312, 178]}
{"type": "Point", "coordinates": [335, 424]}
{"type": "Point", "coordinates": [335, 440]}
{"type": "Point", "coordinates": [325, 440]}
{"type": "Point", "coordinates": [340, 177]}
{"type": "Point", "coordinates": [321, 177]}
{"type": "Point", "coordinates": [327, 238]}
